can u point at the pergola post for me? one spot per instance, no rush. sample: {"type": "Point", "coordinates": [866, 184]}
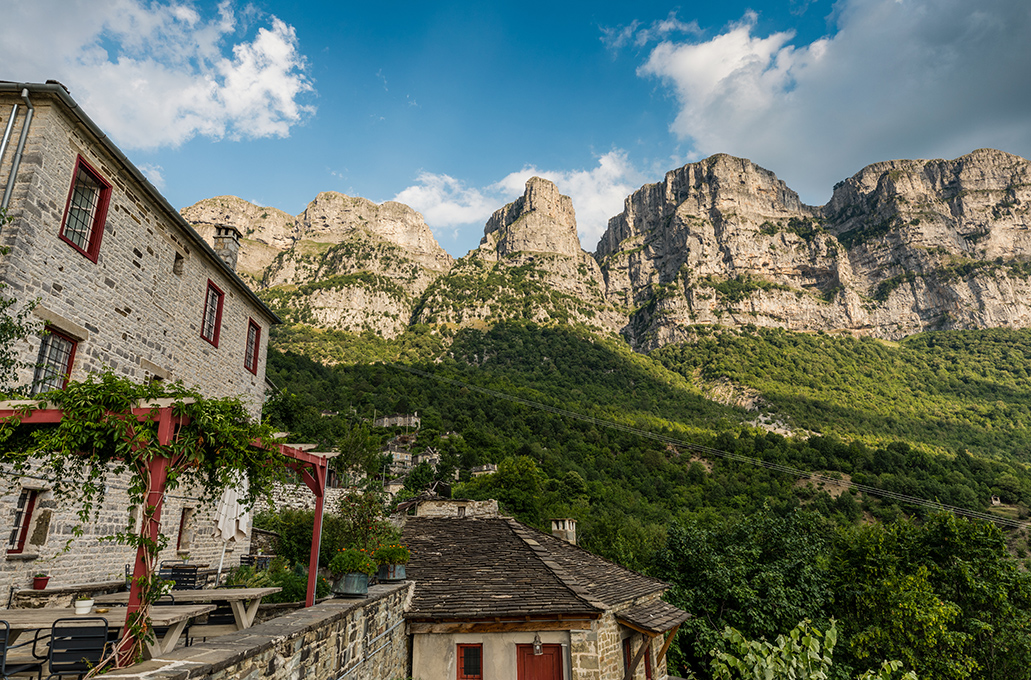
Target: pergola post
{"type": "Point", "coordinates": [317, 483]}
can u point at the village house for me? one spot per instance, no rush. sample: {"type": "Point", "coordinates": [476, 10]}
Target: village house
{"type": "Point", "coordinates": [120, 281]}
{"type": "Point", "coordinates": [495, 599]}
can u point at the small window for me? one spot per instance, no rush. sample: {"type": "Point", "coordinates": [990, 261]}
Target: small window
{"type": "Point", "coordinates": [54, 363]}
{"type": "Point", "coordinates": [22, 520]}
{"type": "Point", "coordinates": [86, 211]}
{"type": "Point", "coordinates": [470, 662]}
{"type": "Point", "coordinates": [185, 539]}
{"type": "Point", "coordinates": [250, 357]}
{"type": "Point", "coordinates": [212, 322]}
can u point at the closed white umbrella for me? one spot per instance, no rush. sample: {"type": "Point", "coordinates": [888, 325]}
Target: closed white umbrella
{"type": "Point", "coordinates": [232, 519]}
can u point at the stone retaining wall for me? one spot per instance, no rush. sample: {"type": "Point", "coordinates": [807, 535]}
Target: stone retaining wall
{"type": "Point", "coordinates": [335, 640]}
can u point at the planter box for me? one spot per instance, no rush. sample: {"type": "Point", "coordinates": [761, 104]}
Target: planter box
{"type": "Point", "coordinates": [391, 573]}
{"type": "Point", "coordinates": [352, 585]}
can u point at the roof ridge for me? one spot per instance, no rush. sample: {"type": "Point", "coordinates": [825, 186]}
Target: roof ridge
{"type": "Point", "coordinates": [568, 580]}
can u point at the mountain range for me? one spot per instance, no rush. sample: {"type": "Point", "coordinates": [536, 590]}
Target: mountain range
{"type": "Point", "coordinates": [902, 247]}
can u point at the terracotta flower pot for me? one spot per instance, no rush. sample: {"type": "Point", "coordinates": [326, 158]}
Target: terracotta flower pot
{"type": "Point", "coordinates": [40, 582]}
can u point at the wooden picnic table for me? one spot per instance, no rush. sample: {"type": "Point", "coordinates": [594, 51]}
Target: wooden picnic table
{"type": "Point", "coordinates": [172, 618]}
{"type": "Point", "coordinates": [243, 601]}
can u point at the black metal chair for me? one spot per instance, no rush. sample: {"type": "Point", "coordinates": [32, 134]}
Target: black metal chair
{"type": "Point", "coordinates": [8, 668]}
{"type": "Point", "coordinates": [184, 578]}
{"type": "Point", "coordinates": [76, 645]}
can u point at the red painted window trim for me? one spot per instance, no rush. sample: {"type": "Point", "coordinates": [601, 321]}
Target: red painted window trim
{"type": "Point", "coordinates": [99, 216]}
{"type": "Point", "coordinates": [71, 357]}
{"type": "Point", "coordinates": [26, 520]}
{"type": "Point", "coordinates": [461, 662]}
{"type": "Point", "coordinates": [218, 313]}
{"type": "Point", "coordinates": [254, 351]}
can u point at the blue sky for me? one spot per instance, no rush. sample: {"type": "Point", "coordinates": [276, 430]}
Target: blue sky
{"type": "Point", "coordinates": [450, 107]}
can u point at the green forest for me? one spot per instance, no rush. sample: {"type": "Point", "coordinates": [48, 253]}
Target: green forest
{"type": "Point", "coordinates": [665, 481]}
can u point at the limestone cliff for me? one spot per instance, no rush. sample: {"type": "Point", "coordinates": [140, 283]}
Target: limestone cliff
{"type": "Point", "coordinates": [345, 263]}
{"type": "Point", "coordinates": [529, 266]}
{"type": "Point", "coordinates": [902, 247]}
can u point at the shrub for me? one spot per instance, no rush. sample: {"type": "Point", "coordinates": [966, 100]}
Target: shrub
{"type": "Point", "coordinates": [392, 554]}
{"type": "Point", "coordinates": [352, 561]}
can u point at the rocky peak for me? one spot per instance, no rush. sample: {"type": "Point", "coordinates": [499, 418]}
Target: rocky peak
{"type": "Point", "coordinates": [541, 220]}
{"type": "Point", "coordinates": [334, 218]}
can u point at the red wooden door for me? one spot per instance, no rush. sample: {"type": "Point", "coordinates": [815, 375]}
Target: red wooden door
{"type": "Point", "coordinates": [547, 666]}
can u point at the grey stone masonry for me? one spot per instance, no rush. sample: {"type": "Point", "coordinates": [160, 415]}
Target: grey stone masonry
{"type": "Point", "coordinates": [132, 299]}
{"type": "Point", "coordinates": [138, 308]}
{"type": "Point", "coordinates": [357, 639]}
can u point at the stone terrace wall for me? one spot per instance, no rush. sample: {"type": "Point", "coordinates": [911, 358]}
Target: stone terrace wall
{"type": "Point", "coordinates": [337, 639]}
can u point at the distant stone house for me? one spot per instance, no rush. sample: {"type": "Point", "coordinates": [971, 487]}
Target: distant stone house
{"type": "Point", "coordinates": [121, 282]}
{"type": "Point", "coordinates": [495, 599]}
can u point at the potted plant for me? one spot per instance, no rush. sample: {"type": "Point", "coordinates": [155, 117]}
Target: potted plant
{"type": "Point", "coordinates": [40, 580]}
{"type": "Point", "coordinates": [83, 604]}
{"type": "Point", "coordinates": [351, 568]}
{"type": "Point", "coordinates": [392, 560]}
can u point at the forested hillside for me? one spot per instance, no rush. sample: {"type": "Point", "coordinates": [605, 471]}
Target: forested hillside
{"type": "Point", "coordinates": [645, 470]}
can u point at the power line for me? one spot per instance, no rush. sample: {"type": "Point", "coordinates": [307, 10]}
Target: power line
{"type": "Point", "coordinates": [666, 439]}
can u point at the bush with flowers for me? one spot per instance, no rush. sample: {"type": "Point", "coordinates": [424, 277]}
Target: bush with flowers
{"type": "Point", "coordinates": [393, 553]}
{"type": "Point", "coordinates": [352, 561]}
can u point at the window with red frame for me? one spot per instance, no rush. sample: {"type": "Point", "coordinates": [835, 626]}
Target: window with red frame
{"type": "Point", "coordinates": [212, 322]}
{"type": "Point", "coordinates": [86, 211]}
{"type": "Point", "coordinates": [22, 520]}
{"type": "Point", "coordinates": [250, 357]}
{"type": "Point", "coordinates": [628, 657]}
{"type": "Point", "coordinates": [54, 363]}
{"type": "Point", "coordinates": [470, 662]}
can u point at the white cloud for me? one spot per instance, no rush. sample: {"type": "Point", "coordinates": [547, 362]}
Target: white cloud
{"type": "Point", "coordinates": [154, 174]}
{"type": "Point", "coordinates": [617, 38]}
{"type": "Point", "coordinates": [155, 74]}
{"type": "Point", "coordinates": [597, 194]}
{"type": "Point", "coordinates": [897, 78]}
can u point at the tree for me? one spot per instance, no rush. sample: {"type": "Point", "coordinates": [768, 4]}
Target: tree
{"type": "Point", "coordinates": [805, 653]}
{"type": "Point", "coordinates": [100, 435]}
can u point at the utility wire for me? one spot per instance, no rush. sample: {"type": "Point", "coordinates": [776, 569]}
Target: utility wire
{"type": "Point", "coordinates": [787, 469]}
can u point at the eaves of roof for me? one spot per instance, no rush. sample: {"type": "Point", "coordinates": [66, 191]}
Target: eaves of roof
{"type": "Point", "coordinates": [58, 91]}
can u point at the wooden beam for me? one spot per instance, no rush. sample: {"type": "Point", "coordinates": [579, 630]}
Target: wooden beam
{"type": "Point", "coordinates": [666, 644]}
{"type": "Point", "coordinates": [646, 642]}
{"type": "Point", "coordinates": [418, 627]}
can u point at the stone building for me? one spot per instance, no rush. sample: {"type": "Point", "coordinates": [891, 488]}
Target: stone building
{"type": "Point", "coordinates": [120, 281]}
{"type": "Point", "coordinates": [497, 599]}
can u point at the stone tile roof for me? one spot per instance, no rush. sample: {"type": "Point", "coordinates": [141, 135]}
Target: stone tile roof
{"type": "Point", "coordinates": [654, 617]}
{"type": "Point", "coordinates": [484, 568]}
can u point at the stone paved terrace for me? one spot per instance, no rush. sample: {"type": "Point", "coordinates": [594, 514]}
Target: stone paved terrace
{"type": "Point", "coordinates": [363, 639]}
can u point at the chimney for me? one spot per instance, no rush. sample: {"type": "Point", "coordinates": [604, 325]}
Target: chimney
{"type": "Point", "coordinates": [565, 529]}
{"type": "Point", "coordinates": [227, 245]}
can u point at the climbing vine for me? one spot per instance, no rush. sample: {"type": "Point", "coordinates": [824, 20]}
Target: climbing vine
{"type": "Point", "coordinates": [100, 436]}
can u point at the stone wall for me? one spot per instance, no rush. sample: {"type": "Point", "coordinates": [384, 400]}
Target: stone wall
{"type": "Point", "coordinates": [138, 309]}
{"type": "Point", "coordinates": [300, 497]}
{"type": "Point", "coordinates": [334, 640]}
{"type": "Point", "coordinates": [597, 654]}
{"type": "Point", "coordinates": [89, 560]}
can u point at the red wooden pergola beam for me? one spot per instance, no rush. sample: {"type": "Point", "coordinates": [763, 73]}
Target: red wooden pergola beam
{"type": "Point", "coordinates": [312, 468]}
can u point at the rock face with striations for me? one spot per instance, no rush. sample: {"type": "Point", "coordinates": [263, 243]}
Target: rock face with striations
{"type": "Point", "coordinates": [529, 266]}
{"type": "Point", "coordinates": [344, 263]}
{"type": "Point", "coordinates": [902, 247]}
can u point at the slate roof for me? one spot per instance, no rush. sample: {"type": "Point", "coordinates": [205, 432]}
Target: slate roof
{"type": "Point", "coordinates": [483, 568]}
{"type": "Point", "coordinates": [654, 617]}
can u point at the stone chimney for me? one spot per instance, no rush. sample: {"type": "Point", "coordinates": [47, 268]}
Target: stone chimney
{"type": "Point", "coordinates": [227, 245]}
{"type": "Point", "coordinates": [565, 529]}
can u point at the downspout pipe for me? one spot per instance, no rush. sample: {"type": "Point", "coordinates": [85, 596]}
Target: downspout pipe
{"type": "Point", "coordinates": [7, 133]}
{"type": "Point", "coordinates": [18, 151]}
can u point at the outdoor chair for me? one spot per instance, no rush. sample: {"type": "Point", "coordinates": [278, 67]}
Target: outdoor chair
{"type": "Point", "coordinates": [184, 578]}
{"type": "Point", "coordinates": [9, 668]}
{"type": "Point", "coordinates": [76, 645]}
